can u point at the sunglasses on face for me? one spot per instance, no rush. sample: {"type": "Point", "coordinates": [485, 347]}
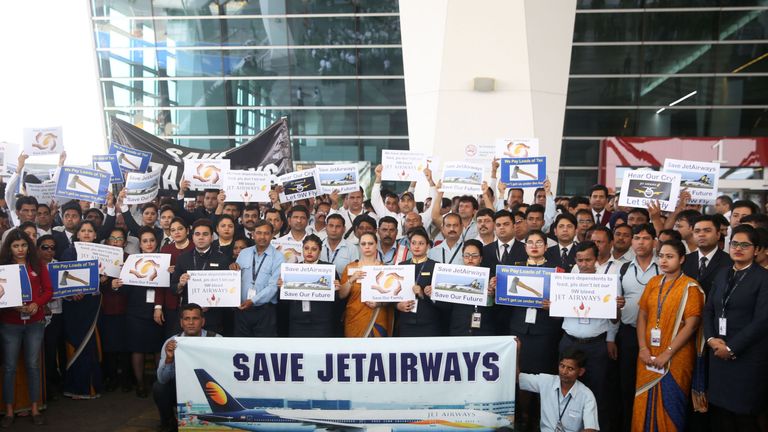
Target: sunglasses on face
{"type": "Point", "coordinates": [47, 248]}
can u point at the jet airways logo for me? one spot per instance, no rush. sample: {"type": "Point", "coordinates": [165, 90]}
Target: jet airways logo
{"type": "Point", "coordinates": [215, 393]}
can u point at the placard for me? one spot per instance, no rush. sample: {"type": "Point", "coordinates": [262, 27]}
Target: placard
{"type": "Point", "coordinates": [26, 284]}
{"type": "Point", "coordinates": [341, 178]}
{"type": "Point", "coordinates": [700, 178]}
{"type": "Point", "coordinates": [388, 283]}
{"type": "Point", "coordinates": [246, 186]}
{"type": "Point", "coordinates": [130, 159]}
{"type": "Point", "coordinates": [141, 188]}
{"type": "Point", "coordinates": [300, 184]}
{"type": "Point", "coordinates": [205, 173]}
{"type": "Point", "coordinates": [522, 286]}
{"type": "Point", "coordinates": [312, 282]}
{"type": "Point", "coordinates": [214, 288]}
{"type": "Point", "coordinates": [70, 278]}
{"type": "Point", "coordinates": [44, 192]}
{"type": "Point", "coordinates": [3, 155]}
{"type": "Point", "coordinates": [581, 295]}
{"type": "Point", "coordinates": [82, 184]}
{"type": "Point", "coordinates": [640, 187]}
{"type": "Point", "coordinates": [460, 284]}
{"type": "Point", "coordinates": [291, 249]}
{"type": "Point", "coordinates": [110, 258]}
{"type": "Point", "coordinates": [10, 286]}
{"type": "Point", "coordinates": [462, 178]}
{"type": "Point", "coordinates": [43, 141]}
{"type": "Point", "coordinates": [523, 172]}
{"type": "Point", "coordinates": [517, 147]}
{"type": "Point", "coordinates": [406, 165]}
{"type": "Point", "coordinates": [149, 270]}
{"type": "Point", "coordinates": [108, 164]}
{"type": "Point", "coordinates": [482, 154]}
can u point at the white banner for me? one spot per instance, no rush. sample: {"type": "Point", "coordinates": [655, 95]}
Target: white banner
{"type": "Point", "coordinates": [43, 141]}
{"type": "Point", "coordinates": [406, 165]}
{"type": "Point", "coordinates": [640, 187]}
{"type": "Point", "coordinates": [313, 282]}
{"type": "Point", "coordinates": [388, 283]}
{"type": "Point", "coordinates": [292, 250]}
{"type": "Point", "coordinates": [246, 186]}
{"type": "Point", "coordinates": [517, 147]}
{"type": "Point", "coordinates": [214, 288]}
{"type": "Point", "coordinates": [205, 173]}
{"type": "Point", "coordinates": [43, 192]}
{"type": "Point", "coordinates": [584, 296]}
{"type": "Point", "coordinates": [381, 384]}
{"type": "Point", "coordinates": [150, 270]}
{"type": "Point", "coordinates": [110, 257]}
{"type": "Point", "coordinates": [700, 178]}
{"type": "Point", "coordinates": [10, 286]}
{"type": "Point", "coordinates": [342, 178]}
{"type": "Point", "coordinates": [462, 178]}
{"type": "Point", "coordinates": [141, 188]}
{"type": "Point", "coordinates": [460, 284]}
{"type": "Point", "coordinates": [299, 185]}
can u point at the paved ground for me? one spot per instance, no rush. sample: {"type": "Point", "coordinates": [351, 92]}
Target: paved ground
{"type": "Point", "coordinates": [116, 411]}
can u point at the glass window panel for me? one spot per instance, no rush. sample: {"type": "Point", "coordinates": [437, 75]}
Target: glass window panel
{"type": "Point", "coordinates": [599, 122]}
{"type": "Point", "coordinates": [703, 122]}
{"type": "Point", "coordinates": [318, 149]}
{"type": "Point", "coordinates": [382, 92]}
{"type": "Point", "coordinates": [188, 33]}
{"type": "Point", "coordinates": [185, 8]}
{"type": "Point", "coordinates": [605, 27]}
{"type": "Point", "coordinates": [372, 148]}
{"type": "Point", "coordinates": [664, 91]}
{"type": "Point", "coordinates": [363, 61]}
{"type": "Point", "coordinates": [575, 182]}
{"type": "Point", "coordinates": [122, 7]}
{"type": "Point", "coordinates": [345, 31]}
{"type": "Point", "coordinates": [324, 92]}
{"type": "Point", "coordinates": [323, 122]}
{"type": "Point", "coordinates": [669, 59]}
{"type": "Point", "coordinates": [257, 62]}
{"type": "Point", "coordinates": [742, 58]}
{"type": "Point", "coordinates": [580, 153]}
{"type": "Point", "coordinates": [340, 6]}
{"type": "Point", "coordinates": [678, 26]}
{"type": "Point", "coordinates": [259, 92]}
{"type": "Point", "coordinates": [741, 90]}
{"type": "Point", "coordinates": [744, 25]}
{"type": "Point", "coordinates": [605, 59]}
{"type": "Point", "coordinates": [208, 144]}
{"type": "Point", "coordinates": [609, 4]}
{"type": "Point", "coordinates": [253, 32]}
{"type": "Point", "coordinates": [680, 3]}
{"type": "Point", "coordinates": [383, 122]}
{"type": "Point", "coordinates": [602, 91]}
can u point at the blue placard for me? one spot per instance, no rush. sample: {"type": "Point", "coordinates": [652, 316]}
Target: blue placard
{"type": "Point", "coordinates": [524, 172]}
{"type": "Point", "coordinates": [130, 159]}
{"type": "Point", "coordinates": [108, 163]}
{"type": "Point", "coordinates": [82, 184]}
{"type": "Point", "coordinates": [26, 285]}
{"type": "Point", "coordinates": [74, 277]}
{"type": "Point", "coordinates": [522, 286]}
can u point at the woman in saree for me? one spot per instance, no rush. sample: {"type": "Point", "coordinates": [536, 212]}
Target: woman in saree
{"type": "Point", "coordinates": [667, 323]}
{"type": "Point", "coordinates": [364, 319]}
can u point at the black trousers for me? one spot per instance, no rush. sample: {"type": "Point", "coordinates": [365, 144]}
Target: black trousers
{"type": "Point", "coordinates": [724, 420]}
{"type": "Point", "coordinates": [165, 400]}
{"type": "Point", "coordinates": [596, 373]}
{"type": "Point", "coordinates": [628, 352]}
{"type": "Point", "coordinates": [55, 353]}
{"type": "Point", "coordinates": [258, 321]}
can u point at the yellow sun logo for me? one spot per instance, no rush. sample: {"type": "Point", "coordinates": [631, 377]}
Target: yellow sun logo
{"type": "Point", "coordinates": [215, 393]}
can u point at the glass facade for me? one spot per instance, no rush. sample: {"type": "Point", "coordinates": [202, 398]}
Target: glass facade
{"type": "Point", "coordinates": [211, 74]}
{"type": "Point", "coordinates": [630, 58]}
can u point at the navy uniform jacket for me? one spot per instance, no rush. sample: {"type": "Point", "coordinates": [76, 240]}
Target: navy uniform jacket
{"type": "Point", "coordinates": [427, 320]}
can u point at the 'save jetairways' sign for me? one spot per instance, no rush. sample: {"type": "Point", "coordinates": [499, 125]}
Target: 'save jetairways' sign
{"type": "Point", "coordinates": [291, 249]}
{"type": "Point", "coordinates": [205, 173]}
{"type": "Point", "coordinates": [141, 188]}
{"type": "Point", "coordinates": [311, 282]}
{"type": "Point", "coordinates": [150, 270]}
{"type": "Point", "coordinates": [460, 284]}
{"type": "Point", "coordinates": [43, 141]}
{"type": "Point", "coordinates": [640, 187]}
{"type": "Point", "coordinates": [405, 165]}
{"type": "Point", "coordinates": [110, 258]}
{"type": "Point", "coordinates": [300, 184]}
{"type": "Point", "coordinates": [462, 178]}
{"type": "Point", "coordinates": [517, 147]}
{"type": "Point", "coordinates": [700, 178]}
{"type": "Point", "coordinates": [10, 286]}
{"type": "Point", "coordinates": [246, 186]}
{"type": "Point", "coordinates": [214, 288]}
{"type": "Point", "coordinates": [388, 283]}
{"type": "Point", "coordinates": [584, 296]}
{"type": "Point", "coordinates": [381, 383]}
{"type": "Point", "coordinates": [341, 178]}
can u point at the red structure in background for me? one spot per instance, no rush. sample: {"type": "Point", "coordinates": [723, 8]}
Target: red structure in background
{"type": "Point", "coordinates": [650, 152]}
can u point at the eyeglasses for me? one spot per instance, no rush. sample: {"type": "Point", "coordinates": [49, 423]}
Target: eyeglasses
{"type": "Point", "coordinates": [48, 248]}
{"type": "Point", "coordinates": [113, 238]}
{"type": "Point", "coordinates": [471, 255]}
{"type": "Point", "coordinates": [537, 243]}
{"type": "Point", "coordinates": [741, 245]}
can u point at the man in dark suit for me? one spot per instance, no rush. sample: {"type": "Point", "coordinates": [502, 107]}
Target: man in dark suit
{"type": "Point", "coordinates": [736, 330]}
{"type": "Point", "coordinates": [564, 254]}
{"type": "Point", "coordinates": [704, 263]}
{"type": "Point", "coordinates": [71, 215]}
{"type": "Point", "coordinates": [598, 199]}
{"type": "Point", "coordinates": [505, 250]}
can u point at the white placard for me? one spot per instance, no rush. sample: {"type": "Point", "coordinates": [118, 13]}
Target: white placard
{"type": "Point", "coordinates": [482, 154]}
{"type": "Point", "coordinates": [3, 155]}
{"type": "Point", "coordinates": [517, 147]}
{"type": "Point", "coordinates": [460, 284]}
{"type": "Point", "coordinates": [246, 186]}
{"type": "Point", "coordinates": [639, 187]}
{"type": "Point", "coordinates": [205, 173]}
{"type": "Point", "coordinates": [299, 184]}
{"type": "Point", "coordinates": [462, 178]}
{"type": "Point", "coordinates": [43, 192]}
{"type": "Point", "coordinates": [291, 249]}
{"type": "Point", "coordinates": [700, 178]}
{"type": "Point", "coordinates": [43, 141]}
{"type": "Point", "coordinates": [10, 286]}
{"type": "Point", "coordinates": [150, 270]}
{"type": "Point", "coordinates": [580, 295]}
{"type": "Point", "coordinates": [405, 165]}
{"type": "Point", "coordinates": [214, 288]}
{"type": "Point", "coordinates": [341, 178]}
{"type": "Point", "coordinates": [110, 257]}
{"type": "Point", "coordinates": [311, 282]}
{"type": "Point", "coordinates": [141, 188]}
{"type": "Point", "coordinates": [388, 283]}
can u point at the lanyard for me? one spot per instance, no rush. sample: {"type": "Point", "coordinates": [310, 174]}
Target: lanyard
{"type": "Point", "coordinates": [458, 248]}
{"type": "Point", "coordinates": [328, 253]}
{"type": "Point", "coordinates": [567, 401]}
{"type": "Point", "coordinates": [418, 269]}
{"type": "Point", "coordinates": [607, 269]}
{"type": "Point", "coordinates": [660, 301]}
{"type": "Point", "coordinates": [656, 269]}
{"type": "Point", "coordinates": [253, 264]}
{"type": "Point", "coordinates": [729, 291]}
{"type": "Point", "coordinates": [466, 230]}
{"type": "Point", "coordinates": [194, 261]}
{"type": "Point", "coordinates": [391, 260]}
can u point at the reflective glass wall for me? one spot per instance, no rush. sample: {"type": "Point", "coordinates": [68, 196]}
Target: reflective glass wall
{"type": "Point", "coordinates": [631, 58]}
{"type": "Point", "coordinates": [210, 74]}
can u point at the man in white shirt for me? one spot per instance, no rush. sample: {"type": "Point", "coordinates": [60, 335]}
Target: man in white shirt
{"type": "Point", "coordinates": [298, 218]}
{"type": "Point", "coordinates": [354, 202]}
{"type": "Point", "coordinates": [336, 250]}
{"type": "Point", "coordinates": [406, 204]}
{"type": "Point", "coordinates": [622, 244]}
{"type": "Point", "coordinates": [485, 226]}
{"type": "Point", "coordinates": [449, 251]}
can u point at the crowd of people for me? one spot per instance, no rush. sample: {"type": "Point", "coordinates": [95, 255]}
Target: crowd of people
{"type": "Point", "coordinates": [687, 351]}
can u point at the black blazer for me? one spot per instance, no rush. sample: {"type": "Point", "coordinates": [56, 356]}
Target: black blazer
{"type": "Point", "coordinates": [691, 268]}
{"type": "Point", "coordinates": [554, 256]}
{"type": "Point", "coordinates": [427, 320]}
{"type": "Point", "coordinates": [739, 385]}
{"type": "Point", "coordinates": [134, 227]}
{"type": "Point", "coordinates": [211, 260]}
{"type": "Point", "coordinates": [544, 323]}
{"type": "Point", "coordinates": [491, 258]}
{"type": "Point", "coordinates": [62, 242]}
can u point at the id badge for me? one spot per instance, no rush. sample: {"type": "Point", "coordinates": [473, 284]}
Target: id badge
{"type": "Point", "coordinates": [305, 307]}
{"type": "Point", "coordinates": [583, 320]}
{"type": "Point", "coordinates": [415, 307]}
{"type": "Point", "coordinates": [251, 293]}
{"type": "Point", "coordinates": [25, 317]}
{"type": "Point", "coordinates": [722, 326]}
{"type": "Point", "coordinates": [530, 316]}
{"type": "Point", "coordinates": [559, 427]}
{"type": "Point", "coordinates": [655, 336]}
{"type": "Point", "coordinates": [150, 295]}
{"type": "Point", "coordinates": [476, 320]}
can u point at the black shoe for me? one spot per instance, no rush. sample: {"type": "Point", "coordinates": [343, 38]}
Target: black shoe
{"type": "Point", "coordinates": [142, 392]}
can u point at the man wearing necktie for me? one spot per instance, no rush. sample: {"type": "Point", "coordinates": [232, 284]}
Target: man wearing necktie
{"type": "Point", "coordinates": [704, 263]}
{"type": "Point", "coordinates": [598, 198]}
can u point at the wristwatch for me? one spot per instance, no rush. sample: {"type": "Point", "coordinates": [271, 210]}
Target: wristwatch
{"type": "Point", "coordinates": [158, 307]}
{"type": "Point", "coordinates": [730, 351]}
